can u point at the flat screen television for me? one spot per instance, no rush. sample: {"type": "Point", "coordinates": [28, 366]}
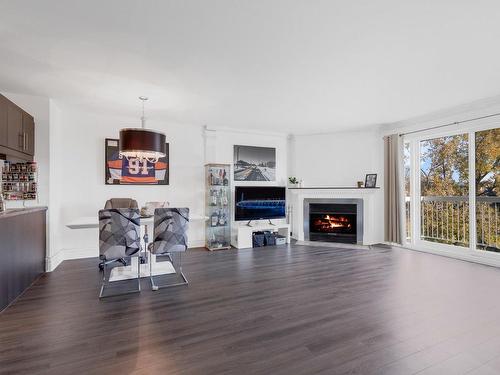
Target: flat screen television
{"type": "Point", "coordinates": [259, 203]}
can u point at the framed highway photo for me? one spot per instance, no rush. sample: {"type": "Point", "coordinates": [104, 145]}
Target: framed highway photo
{"type": "Point", "coordinates": [254, 163]}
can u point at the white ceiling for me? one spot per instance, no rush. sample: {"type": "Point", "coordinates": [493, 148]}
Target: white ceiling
{"type": "Point", "coordinates": [287, 66]}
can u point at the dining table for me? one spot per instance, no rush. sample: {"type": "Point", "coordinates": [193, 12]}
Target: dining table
{"type": "Point", "coordinates": [130, 271]}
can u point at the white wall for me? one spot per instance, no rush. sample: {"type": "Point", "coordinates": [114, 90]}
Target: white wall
{"type": "Point", "coordinates": [340, 159]}
{"type": "Point", "coordinates": [78, 160]}
{"type": "Point", "coordinates": [337, 159]}
{"type": "Point", "coordinates": [54, 255]}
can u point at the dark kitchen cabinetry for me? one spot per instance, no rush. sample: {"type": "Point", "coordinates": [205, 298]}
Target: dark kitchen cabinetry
{"type": "Point", "coordinates": [3, 118]}
{"type": "Point", "coordinates": [28, 134]}
{"type": "Point", "coordinates": [17, 130]}
{"type": "Point", "coordinates": [22, 251]}
{"type": "Point", "coordinates": [14, 127]}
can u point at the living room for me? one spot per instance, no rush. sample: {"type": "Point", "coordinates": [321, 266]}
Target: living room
{"type": "Point", "coordinates": [245, 187]}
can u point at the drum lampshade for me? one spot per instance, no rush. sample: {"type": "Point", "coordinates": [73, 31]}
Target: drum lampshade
{"type": "Point", "coordinates": [142, 143]}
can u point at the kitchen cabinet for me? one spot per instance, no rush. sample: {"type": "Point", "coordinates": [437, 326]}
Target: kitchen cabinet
{"type": "Point", "coordinates": [14, 127]}
{"type": "Point", "coordinates": [17, 130]}
{"type": "Point", "coordinates": [28, 134]}
{"type": "Point", "coordinates": [22, 250]}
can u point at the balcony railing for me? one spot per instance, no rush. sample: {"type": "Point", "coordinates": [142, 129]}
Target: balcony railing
{"type": "Point", "coordinates": [446, 220]}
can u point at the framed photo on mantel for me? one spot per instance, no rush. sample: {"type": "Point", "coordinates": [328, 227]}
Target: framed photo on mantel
{"type": "Point", "coordinates": [123, 171]}
{"type": "Point", "coordinates": [371, 180]}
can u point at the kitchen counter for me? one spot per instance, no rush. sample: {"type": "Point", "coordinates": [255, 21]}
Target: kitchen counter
{"type": "Point", "coordinates": [22, 250]}
{"type": "Point", "coordinates": [21, 211]}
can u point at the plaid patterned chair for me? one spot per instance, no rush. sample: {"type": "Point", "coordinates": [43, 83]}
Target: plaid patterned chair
{"type": "Point", "coordinates": [170, 236]}
{"type": "Point", "coordinates": [119, 203]}
{"type": "Point", "coordinates": [119, 237]}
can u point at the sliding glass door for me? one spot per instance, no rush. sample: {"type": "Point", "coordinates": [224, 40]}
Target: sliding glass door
{"type": "Point", "coordinates": [487, 181]}
{"type": "Point", "coordinates": [452, 189]}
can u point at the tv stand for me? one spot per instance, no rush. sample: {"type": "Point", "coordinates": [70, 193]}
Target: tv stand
{"type": "Point", "coordinates": [250, 225]}
{"type": "Point", "coordinates": [242, 234]}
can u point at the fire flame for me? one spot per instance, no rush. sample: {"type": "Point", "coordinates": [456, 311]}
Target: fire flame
{"type": "Point", "coordinates": [329, 223]}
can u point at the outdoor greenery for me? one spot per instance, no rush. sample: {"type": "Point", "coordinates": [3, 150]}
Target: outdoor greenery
{"type": "Point", "coordinates": [488, 163]}
{"type": "Point", "coordinates": [444, 167]}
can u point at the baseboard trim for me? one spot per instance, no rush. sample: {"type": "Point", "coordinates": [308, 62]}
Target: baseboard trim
{"type": "Point", "coordinates": [66, 254]}
{"type": "Point", "coordinates": [485, 259]}
{"type": "Point", "coordinates": [196, 243]}
{"type": "Point", "coordinates": [80, 253]}
{"type": "Point", "coordinates": [51, 262]}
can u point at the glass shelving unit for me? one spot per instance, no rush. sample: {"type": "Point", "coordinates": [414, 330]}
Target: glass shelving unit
{"type": "Point", "coordinates": [218, 207]}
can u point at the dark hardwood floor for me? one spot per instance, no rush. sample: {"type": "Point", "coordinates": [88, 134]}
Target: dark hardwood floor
{"type": "Point", "coordinates": [296, 310]}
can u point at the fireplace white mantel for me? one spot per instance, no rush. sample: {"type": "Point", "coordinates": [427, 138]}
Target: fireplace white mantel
{"type": "Point", "coordinates": [372, 209]}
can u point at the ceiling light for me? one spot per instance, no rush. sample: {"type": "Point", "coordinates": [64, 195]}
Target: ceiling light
{"type": "Point", "coordinates": [141, 143]}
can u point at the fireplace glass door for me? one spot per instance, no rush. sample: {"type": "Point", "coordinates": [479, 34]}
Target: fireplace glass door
{"type": "Point", "coordinates": [332, 227]}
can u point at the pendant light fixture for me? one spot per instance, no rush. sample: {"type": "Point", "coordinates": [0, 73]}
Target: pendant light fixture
{"type": "Point", "coordinates": [141, 143]}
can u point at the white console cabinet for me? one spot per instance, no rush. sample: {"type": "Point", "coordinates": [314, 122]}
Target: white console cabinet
{"type": "Point", "coordinates": [242, 234]}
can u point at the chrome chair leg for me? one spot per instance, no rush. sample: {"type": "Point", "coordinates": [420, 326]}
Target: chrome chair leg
{"type": "Point", "coordinates": [180, 269]}
{"type": "Point", "coordinates": [139, 272]}
{"type": "Point", "coordinates": [103, 279]}
{"type": "Point", "coordinates": [155, 287]}
{"type": "Point", "coordinates": [103, 284]}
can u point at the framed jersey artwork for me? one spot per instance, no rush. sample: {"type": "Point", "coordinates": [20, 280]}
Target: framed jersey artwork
{"type": "Point", "coordinates": [123, 171]}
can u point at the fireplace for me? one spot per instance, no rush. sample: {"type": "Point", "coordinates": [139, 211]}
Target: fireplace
{"type": "Point", "coordinates": [333, 226]}
{"type": "Point", "coordinates": [333, 220]}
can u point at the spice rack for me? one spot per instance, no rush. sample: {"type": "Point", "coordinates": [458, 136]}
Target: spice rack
{"type": "Point", "coordinates": [20, 181]}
